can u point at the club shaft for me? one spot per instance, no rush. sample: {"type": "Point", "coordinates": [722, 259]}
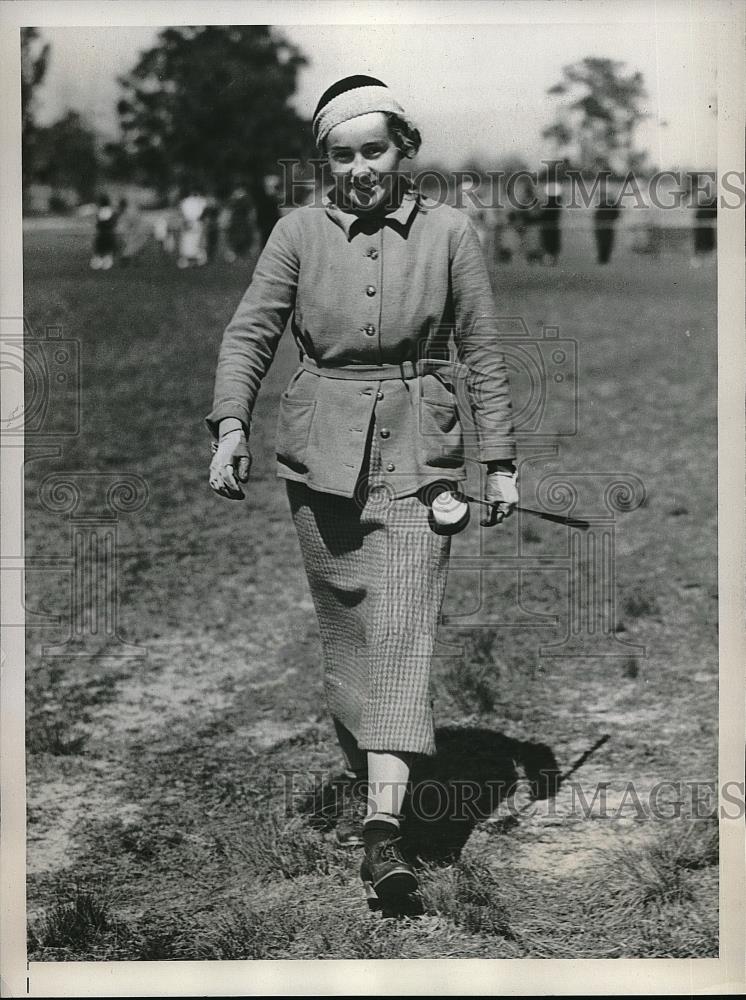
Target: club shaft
{"type": "Point", "coordinates": [554, 518]}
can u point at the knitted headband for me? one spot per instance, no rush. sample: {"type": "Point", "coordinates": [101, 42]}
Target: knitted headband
{"type": "Point", "coordinates": [350, 97]}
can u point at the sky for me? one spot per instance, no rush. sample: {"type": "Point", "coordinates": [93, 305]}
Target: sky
{"type": "Point", "coordinates": [475, 89]}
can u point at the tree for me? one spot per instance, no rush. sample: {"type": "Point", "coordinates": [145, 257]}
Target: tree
{"type": "Point", "coordinates": [34, 62]}
{"type": "Point", "coordinates": [210, 106]}
{"type": "Point", "coordinates": [595, 125]}
{"type": "Point", "coordinates": [66, 156]}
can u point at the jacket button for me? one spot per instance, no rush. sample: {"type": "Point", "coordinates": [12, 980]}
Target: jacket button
{"type": "Point", "coordinates": [390, 467]}
{"type": "Point", "coordinates": [369, 329]}
{"type": "Point", "coordinates": [373, 253]}
{"type": "Point", "coordinates": [370, 290]}
{"type": "Point", "coordinates": [385, 433]}
{"type": "Point", "coordinates": [379, 395]}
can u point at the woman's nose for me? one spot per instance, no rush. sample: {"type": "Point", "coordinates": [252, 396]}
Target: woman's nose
{"type": "Point", "coordinates": [360, 167]}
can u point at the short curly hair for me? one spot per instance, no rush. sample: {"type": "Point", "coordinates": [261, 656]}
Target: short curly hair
{"type": "Point", "coordinates": [404, 135]}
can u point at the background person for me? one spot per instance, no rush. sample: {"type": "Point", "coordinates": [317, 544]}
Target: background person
{"type": "Point", "coordinates": [191, 249]}
{"type": "Point", "coordinates": [166, 229]}
{"type": "Point", "coordinates": [211, 226]}
{"type": "Point", "coordinates": [239, 228]}
{"type": "Point", "coordinates": [524, 217]}
{"type": "Point", "coordinates": [550, 223]}
{"type": "Point", "coordinates": [267, 195]}
{"type": "Point", "coordinates": [605, 216]}
{"type": "Point", "coordinates": [132, 231]}
{"type": "Point", "coordinates": [105, 240]}
{"type": "Point", "coordinates": [704, 231]}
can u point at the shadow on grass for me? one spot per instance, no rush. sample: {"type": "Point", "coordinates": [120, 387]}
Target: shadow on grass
{"type": "Point", "coordinates": [472, 772]}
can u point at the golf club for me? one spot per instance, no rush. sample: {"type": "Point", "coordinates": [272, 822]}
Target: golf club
{"type": "Point", "coordinates": [570, 522]}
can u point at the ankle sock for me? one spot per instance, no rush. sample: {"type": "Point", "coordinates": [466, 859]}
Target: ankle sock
{"type": "Point", "coordinates": [378, 827]}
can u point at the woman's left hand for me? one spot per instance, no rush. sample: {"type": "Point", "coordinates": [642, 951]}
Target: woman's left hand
{"type": "Point", "coordinates": [502, 491]}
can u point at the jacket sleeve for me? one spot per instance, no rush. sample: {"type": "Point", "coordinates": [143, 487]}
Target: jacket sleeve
{"type": "Point", "coordinates": [478, 346]}
{"type": "Point", "coordinates": [250, 340]}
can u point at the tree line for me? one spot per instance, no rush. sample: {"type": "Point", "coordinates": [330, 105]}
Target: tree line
{"type": "Point", "coordinates": [211, 107]}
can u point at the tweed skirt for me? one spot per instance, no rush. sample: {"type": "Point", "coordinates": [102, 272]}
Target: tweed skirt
{"type": "Point", "coordinates": [377, 574]}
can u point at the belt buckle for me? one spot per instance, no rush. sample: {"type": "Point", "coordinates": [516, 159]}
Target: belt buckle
{"type": "Point", "coordinates": [407, 367]}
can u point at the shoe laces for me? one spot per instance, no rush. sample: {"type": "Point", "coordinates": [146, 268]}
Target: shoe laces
{"type": "Point", "coordinates": [390, 849]}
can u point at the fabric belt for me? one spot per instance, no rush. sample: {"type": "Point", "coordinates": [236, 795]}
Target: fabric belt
{"type": "Point", "coordinates": [448, 370]}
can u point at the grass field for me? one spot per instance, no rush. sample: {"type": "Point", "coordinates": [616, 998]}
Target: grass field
{"type": "Point", "coordinates": [160, 824]}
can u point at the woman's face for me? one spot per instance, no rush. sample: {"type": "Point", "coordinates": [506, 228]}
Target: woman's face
{"type": "Point", "coordinates": [364, 160]}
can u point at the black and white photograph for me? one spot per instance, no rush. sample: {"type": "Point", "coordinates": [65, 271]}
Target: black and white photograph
{"type": "Point", "coordinates": [372, 550]}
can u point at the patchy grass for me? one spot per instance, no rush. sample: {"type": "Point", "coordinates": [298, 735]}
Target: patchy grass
{"type": "Point", "coordinates": [483, 678]}
{"type": "Point", "coordinates": [473, 686]}
{"type": "Point", "coordinates": [658, 875]}
{"type": "Point", "coordinates": [280, 848]}
{"type": "Point", "coordinates": [81, 925]}
{"type": "Point", "coordinates": [631, 668]}
{"type": "Point", "coordinates": [59, 707]}
{"type": "Point", "coordinates": [48, 734]}
{"type": "Point", "coordinates": [187, 782]}
{"type": "Point", "coordinates": [471, 896]}
{"type": "Point", "coordinates": [530, 535]}
{"type": "Point", "coordinates": [255, 934]}
{"type": "Point", "coordinates": [640, 601]}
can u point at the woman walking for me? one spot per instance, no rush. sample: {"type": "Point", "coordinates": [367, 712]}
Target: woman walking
{"type": "Point", "coordinates": [369, 434]}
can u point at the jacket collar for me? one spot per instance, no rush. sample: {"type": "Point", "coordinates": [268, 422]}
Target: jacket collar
{"type": "Point", "coordinates": [348, 220]}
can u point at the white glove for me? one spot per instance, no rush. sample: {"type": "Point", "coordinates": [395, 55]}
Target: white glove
{"type": "Point", "coordinates": [502, 490]}
{"type": "Point", "coordinates": [231, 462]}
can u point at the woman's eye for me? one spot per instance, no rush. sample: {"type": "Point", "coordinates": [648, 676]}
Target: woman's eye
{"type": "Point", "coordinates": [341, 157]}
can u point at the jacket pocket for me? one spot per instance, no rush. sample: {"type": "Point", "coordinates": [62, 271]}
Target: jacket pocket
{"type": "Point", "coordinates": [440, 434]}
{"type": "Point", "coordinates": [293, 430]}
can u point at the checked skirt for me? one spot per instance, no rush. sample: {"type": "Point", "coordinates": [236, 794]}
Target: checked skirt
{"type": "Point", "coordinates": [377, 575]}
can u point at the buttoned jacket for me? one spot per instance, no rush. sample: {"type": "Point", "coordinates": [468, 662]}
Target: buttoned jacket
{"type": "Point", "coordinates": [397, 289]}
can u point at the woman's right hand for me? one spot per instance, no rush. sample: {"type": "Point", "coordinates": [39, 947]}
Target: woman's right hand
{"type": "Point", "coordinates": [230, 465]}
